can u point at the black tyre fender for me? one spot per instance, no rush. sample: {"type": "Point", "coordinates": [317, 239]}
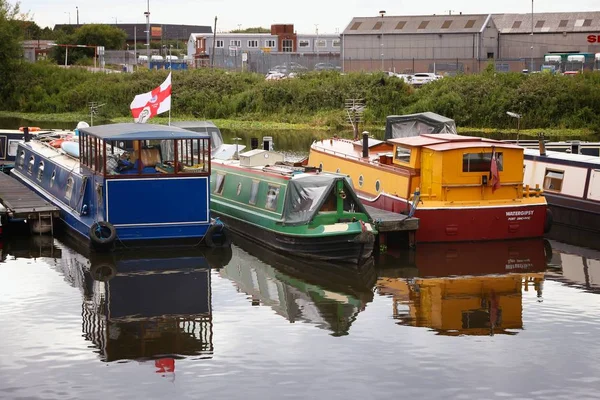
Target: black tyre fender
{"type": "Point", "coordinates": [217, 235]}
{"type": "Point", "coordinates": [549, 220]}
{"type": "Point", "coordinates": [102, 234]}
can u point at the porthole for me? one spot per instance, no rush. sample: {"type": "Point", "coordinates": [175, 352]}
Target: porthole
{"type": "Point", "coordinates": [321, 166]}
{"type": "Point", "coordinates": [52, 178]}
{"type": "Point", "coordinates": [30, 165]}
{"type": "Point", "coordinates": [377, 186]}
{"type": "Point", "coordinates": [40, 172]}
{"type": "Point", "coordinates": [21, 160]}
{"type": "Point", "coordinates": [239, 188]}
{"type": "Point", "coordinates": [337, 170]}
{"type": "Point", "coordinates": [69, 188]}
{"type": "Point", "coordinates": [361, 180]}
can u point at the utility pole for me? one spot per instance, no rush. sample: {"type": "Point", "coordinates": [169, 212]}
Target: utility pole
{"type": "Point", "coordinates": [147, 13]}
{"type": "Point", "coordinates": [212, 55]}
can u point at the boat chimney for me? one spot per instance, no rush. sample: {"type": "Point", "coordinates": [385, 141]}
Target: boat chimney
{"type": "Point", "coordinates": [365, 144]}
{"type": "Point", "coordinates": [26, 134]}
{"type": "Point", "coordinates": [253, 143]}
{"type": "Point", "coordinates": [542, 145]}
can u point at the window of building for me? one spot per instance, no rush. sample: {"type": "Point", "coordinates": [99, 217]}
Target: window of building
{"type": "Point", "coordinates": [400, 25]}
{"type": "Point", "coordinates": [40, 172]}
{"type": "Point", "coordinates": [470, 23]}
{"type": "Point", "coordinates": [516, 25]}
{"type": "Point", "coordinates": [270, 43]}
{"type": "Point", "coordinates": [253, 192]}
{"type": "Point", "coordinates": [287, 45]}
{"type": "Point", "coordinates": [480, 162]}
{"type": "Point", "coordinates": [446, 24]}
{"type": "Point", "coordinates": [252, 44]}
{"type": "Point", "coordinates": [423, 24]}
{"type": "Point", "coordinates": [304, 43]}
{"type": "Point", "coordinates": [336, 43]}
{"type": "Point", "coordinates": [563, 23]}
{"type": "Point", "coordinates": [219, 44]}
{"type": "Point", "coordinates": [553, 180]}
{"type": "Point", "coordinates": [540, 24]}
{"type": "Point", "coordinates": [377, 25]}
{"type": "Point", "coordinates": [321, 43]}
{"type": "Point", "coordinates": [490, 56]}
{"type": "Point", "coordinates": [355, 26]}
{"type": "Point", "coordinates": [587, 22]}
{"type": "Point", "coordinates": [220, 184]}
{"type": "Point", "coordinates": [272, 196]}
{"type": "Point", "coordinates": [235, 43]}
{"type": "Point", "coordinates": [69, 188]}
{"type": "Point", "coordinates": [402, 154]}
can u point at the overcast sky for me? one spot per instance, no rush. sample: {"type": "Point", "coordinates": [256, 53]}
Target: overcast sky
{"type": "Point", "coordinates": [328, 15]}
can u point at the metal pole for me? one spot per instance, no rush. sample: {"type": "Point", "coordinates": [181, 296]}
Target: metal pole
{"type": "Point", "coordinates": [212, 56]}
{"type": "Point", "coordinates": [135, 44]}
{"type": "Point", "coordinates": [170, 60]}
{"type": "Point", "coordinates": [148, 34]}
{"type": "Point", "coordinates": [531, 66]}
{"type": "Point", "coordinates": [66, 54]}
{"type": "Point", "coordinates": [77, 8]}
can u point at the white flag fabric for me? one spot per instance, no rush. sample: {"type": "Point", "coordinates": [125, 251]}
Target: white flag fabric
{"type": "Point", "coordinates": [146, 105]}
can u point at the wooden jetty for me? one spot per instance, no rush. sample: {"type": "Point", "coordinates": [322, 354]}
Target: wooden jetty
{"type": "Point", "coordinates": [388, 222]}
{"type": "Point", "coordinates": [20, 202]}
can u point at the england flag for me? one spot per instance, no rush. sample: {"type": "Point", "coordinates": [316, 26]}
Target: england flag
{"type": "Point", "coordinates": [147, 105]}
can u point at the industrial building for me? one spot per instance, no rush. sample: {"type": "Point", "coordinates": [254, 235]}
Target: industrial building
{"type": "Point", "coordinates": [451, 44]}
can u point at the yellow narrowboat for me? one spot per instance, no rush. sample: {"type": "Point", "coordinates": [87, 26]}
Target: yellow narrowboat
{"type": "Point", "coordinates": [461, 188]}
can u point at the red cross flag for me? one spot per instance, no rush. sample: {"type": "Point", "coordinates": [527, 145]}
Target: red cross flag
{"type": "Point", "coordinates": [147, 105]}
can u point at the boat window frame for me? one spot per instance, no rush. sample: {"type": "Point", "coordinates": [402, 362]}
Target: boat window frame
{"type": "Point", "coordinates": [254, 192]}
{"type": "Point", "coordinates": [406, 149]}
{"type": "Point", "coordinates": [549, 171]}
{"type": "Point", "coordinates": [220, 185]}
{"type": "Point", "coordinates": [53, 178]}
{"type": "Point", "coordinates": [21, 159]}
{"type": "Point", "coordinates": [40, 171]}
{"type": "Point", "coordinates": [30, 165]}
{"type": "Point", "coordinates": [499, 158]}
{"type": "Point", "coordinates": [361, 181]}
{"type": "Point", "coordinates": [277, 188]}
{"type": "Point", "coordinates": [69, 188]}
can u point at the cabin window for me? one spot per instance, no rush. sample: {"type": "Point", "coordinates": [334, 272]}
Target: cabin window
{"type": "Point", "coordinates": [553, 180]}
{"type": "Point", "coordinates": [21, 160]}
{"type": "Point", "coordinates": [377, 186]}
{"type": "Point", "coordinates": [53, 178]}
{"type": "Point", "coordinates": [253, 192]}
{"type": "Point", "coordinates": [220, 184]}
{"type": "Point", "coordinates": [69, 188]}
{"type": "Point", "coordinates": [239, 188]}
{"type": "Point", "coordinates": [480, 162]}
{"type": "Point", "coordinates": [40, 172]}
{"type": "Point", "coordinates": [30, 165]}
{"type": "Point", "coordinates": [272, 196]}
{"type": "Point", "coordinates": [12, 147]}
{"type": "Point", "coordinates": [402, 154]}
{"type": "Point", "coordinates": [361, 180]}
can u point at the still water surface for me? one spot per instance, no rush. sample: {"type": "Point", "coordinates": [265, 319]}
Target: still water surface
{"type": "Point", "coordinates": [251, 324]}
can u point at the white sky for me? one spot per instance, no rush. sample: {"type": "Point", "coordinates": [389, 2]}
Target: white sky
{"type": "Point", "coordinates": [328, 15]}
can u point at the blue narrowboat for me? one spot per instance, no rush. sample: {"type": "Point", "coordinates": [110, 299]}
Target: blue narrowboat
{"type": "Point", "coordinates": [124, 183]}
{"type": "Point", "coordinates": [9, 141]}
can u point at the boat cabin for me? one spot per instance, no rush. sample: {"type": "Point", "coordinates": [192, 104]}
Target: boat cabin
{"type": "Point", "coordinates": [140, 150]}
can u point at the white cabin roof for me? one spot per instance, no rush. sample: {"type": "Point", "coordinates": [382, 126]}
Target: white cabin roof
{"type": "Point", "coordinates": [595, 160]}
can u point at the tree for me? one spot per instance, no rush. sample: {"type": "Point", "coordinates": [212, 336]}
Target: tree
{"type": "Point", "coordinates": [11, 51]}
{"type": "Point", "coordinates": [110, 37]}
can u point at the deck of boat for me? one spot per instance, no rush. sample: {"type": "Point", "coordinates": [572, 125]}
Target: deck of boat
{"type": "Point", "coordinates": [22, 202]}
{"type": "Point", "coordinates": [388, 221]}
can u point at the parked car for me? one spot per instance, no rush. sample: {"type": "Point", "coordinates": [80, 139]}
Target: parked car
{"type": "Point", "coordinates": [275, 76]}
{"type": "Point", "coordinates": [421, 78]}
{"type": "Point", "coordinates": [326, 67]}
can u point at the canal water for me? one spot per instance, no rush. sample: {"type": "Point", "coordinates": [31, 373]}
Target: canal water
{"type": "Point", "coordinates": [500, 320]}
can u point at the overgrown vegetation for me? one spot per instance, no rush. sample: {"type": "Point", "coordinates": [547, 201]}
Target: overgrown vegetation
{"type": "Point", "coordinates": [477, 101]}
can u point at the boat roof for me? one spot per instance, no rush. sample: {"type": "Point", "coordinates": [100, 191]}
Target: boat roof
{"type": "Point", "coordinates": [449, 141]}
{"type": "Point", "coordinates": [195, 125]}
{"type": "Point", "coordinates": [131, 131]}
{"type": "Point", "coordinates": [559, 155]}
{"type": "Point", "coordinates": [372, 142]}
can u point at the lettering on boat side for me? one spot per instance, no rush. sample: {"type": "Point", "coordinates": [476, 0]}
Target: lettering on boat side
{"type": "Point", "coordinates": [519, 215]}
{"type": "Point", "coordinates": [519, 264]}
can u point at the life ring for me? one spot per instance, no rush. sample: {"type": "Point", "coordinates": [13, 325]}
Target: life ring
{"type": "Point", "coordinates": [31, 129]}
{"type": "Point", "coordinates": [56, 143]}
{"type": "Point", "coordinates": [102, 234]}
{"type": "Point", "coordinates": [549, 220]}
{"type": "Point", "coordinates": [217, 235]}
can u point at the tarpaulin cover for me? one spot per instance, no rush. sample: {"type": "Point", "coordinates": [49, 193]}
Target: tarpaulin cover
{"type": "Point", "coordinates": [306, 195]}
{"type": "Point", "coordinates": [401, 126]}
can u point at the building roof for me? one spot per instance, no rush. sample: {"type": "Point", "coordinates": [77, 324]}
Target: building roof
{"type": "Point", "coordinates": [548, 22]}
{"type": "Point", "coordinates": [415, 24]}
{"type": "Point", "coordinates": [131, 131]}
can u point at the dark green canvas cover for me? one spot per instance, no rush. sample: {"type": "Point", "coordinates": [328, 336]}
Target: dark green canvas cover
{"type": "Point", "coordinates": [401, 126]}
{"type": "Point", "coordinates": [305, 195]}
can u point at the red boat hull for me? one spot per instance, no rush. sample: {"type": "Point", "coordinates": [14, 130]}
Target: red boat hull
{"type": "Point", "coordinates": [463, 224]}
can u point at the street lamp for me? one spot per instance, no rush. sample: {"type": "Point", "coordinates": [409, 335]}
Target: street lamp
{"type": "Point", "coordinates": [382, 13]}
{"type": "Point", "coordinates": [518, 117]}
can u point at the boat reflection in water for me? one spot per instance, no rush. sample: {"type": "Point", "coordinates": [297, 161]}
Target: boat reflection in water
{"type": "Point", "coordinates": [328, 296]}
{"type": "Point", "coordinates": [575, 266]}
{"type": "Point", "coordinates": [466, 288]}
{"type": "Point", "coordinates": [151, 307]}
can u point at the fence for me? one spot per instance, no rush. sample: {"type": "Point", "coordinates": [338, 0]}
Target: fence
{"type": "Point", "coordinates": [283, 62]}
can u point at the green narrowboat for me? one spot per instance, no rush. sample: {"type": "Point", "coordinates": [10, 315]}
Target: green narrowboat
{"type": "Point", "coordinates": [294, 209]}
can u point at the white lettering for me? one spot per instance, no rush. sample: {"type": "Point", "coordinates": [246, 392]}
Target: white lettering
{"type": "Point", "coordinates": [519, 213]}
